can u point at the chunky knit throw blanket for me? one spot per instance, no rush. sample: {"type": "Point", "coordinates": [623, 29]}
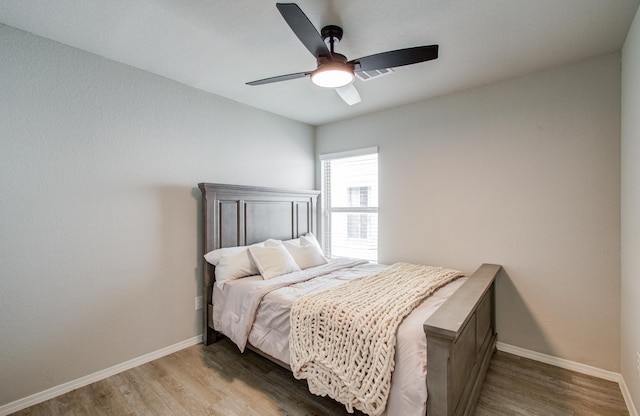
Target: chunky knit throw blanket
{"type": "Point", "coordinates": [343, 340]}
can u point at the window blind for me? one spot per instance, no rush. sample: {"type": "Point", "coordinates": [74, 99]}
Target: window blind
{"type": "Point", "coordinates": [350, 204]}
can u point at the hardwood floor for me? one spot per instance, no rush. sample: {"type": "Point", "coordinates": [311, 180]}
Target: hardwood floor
{"type": "Point", "coordinates": [519, 386]}
{"type": "Point", "coordinates": [217, 380]}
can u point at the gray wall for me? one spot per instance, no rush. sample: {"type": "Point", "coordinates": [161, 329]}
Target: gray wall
{"type": "Point", "coordinates": [100, 216]}
{"type": "Point", "coordinates": [524, 173]}
{"type": "Point", "coordinates": [630, 328]}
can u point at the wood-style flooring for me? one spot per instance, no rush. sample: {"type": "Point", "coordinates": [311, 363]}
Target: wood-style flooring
{"type": "Point", "coordinates": [218, 380]}
{"type": "Point", "coordinates": [519, 386]}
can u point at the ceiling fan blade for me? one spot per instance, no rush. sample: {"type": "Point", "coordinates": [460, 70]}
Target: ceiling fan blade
{"type": "Point", "coordinates": [399, 57]}
{"type": "Point", "coordinates": [279, 78]}
{"type": "Point", "coordinates": [304, 29]}
{"type": "Point", "coordinates": [349, 94]}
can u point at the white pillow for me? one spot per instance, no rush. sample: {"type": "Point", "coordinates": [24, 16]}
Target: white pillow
{"type": "Point", "coordinates": [305, 240]}
{"type": "Point", "coordinates": [213, 257]}
{"type": "Point", "coordinates": [305, 250]}
{"type": "Point", "coordinates": [235, 266]}
{"type": "Point", "coordinates": [306, 255]}
{"type": "Point", "coordinates": [294, 241]}
{"type": "Point", "coordinates": [309, 239]}
{"type": "Point", "coordinates": [273, 260]}
{"type": "Point", "coordinates": [232, 263]}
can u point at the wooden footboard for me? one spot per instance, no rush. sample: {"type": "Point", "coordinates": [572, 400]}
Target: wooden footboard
{"type": "Point", "coordinates": [461, 339]}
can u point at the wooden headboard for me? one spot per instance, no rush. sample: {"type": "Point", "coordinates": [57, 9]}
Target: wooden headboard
{"type": "Point", "coordinates": [235, 215]}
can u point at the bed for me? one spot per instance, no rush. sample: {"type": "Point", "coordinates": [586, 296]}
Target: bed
{"type": "Point", "coordinates": [460, 328]}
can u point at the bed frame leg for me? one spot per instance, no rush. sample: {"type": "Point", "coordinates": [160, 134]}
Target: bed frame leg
{"type": "Point", "coordinates": [210, 336]}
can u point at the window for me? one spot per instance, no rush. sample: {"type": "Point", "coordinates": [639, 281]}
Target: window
{"type": "Point", "coordinates": [350, 204]}
{"type": "Point", "coordinates": [357, 223]}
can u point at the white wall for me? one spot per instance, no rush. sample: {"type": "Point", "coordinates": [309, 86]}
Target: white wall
{"type": "Point", "coordinates": [100, 216]}
{"type": "Point", "coordinates": [524, 173]}
{"type": "Point", "coordinates": [630, 328]}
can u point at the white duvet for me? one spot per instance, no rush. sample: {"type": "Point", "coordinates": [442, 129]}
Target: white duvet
{"type": "Point", "coordinates": [257, 311]}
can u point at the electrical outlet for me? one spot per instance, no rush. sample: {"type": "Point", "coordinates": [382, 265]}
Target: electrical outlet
{"type": "Point", "coordinates": [198, 303]}
{"type": "Point", "coordinates": [638, 363]}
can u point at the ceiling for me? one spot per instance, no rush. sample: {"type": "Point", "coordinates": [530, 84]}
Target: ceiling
{"type": "Point", "coordinates": [219, 45]}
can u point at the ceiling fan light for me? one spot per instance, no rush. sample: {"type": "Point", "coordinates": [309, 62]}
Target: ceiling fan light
{"type": "Point", "coordinates": [332, 76]}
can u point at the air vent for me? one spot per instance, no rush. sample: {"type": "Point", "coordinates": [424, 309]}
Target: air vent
{"type": "Point", "coordinates": [376, 73]}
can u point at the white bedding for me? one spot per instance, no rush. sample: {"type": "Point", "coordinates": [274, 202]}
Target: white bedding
{"type": "Point", "coordinates": [257, 311]}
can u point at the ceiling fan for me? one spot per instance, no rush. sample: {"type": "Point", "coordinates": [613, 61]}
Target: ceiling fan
{"type": "Point", "coordinates": [333, 70]}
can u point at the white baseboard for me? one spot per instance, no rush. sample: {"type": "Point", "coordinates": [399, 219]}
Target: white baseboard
{"type": "Point", "coordinates": [627, 398]}
{"type": "Point", "coordinates": [559, 362]}
{"type": "Point", "coordinates": [97, 376]}
{"type": "Point", "coordinates": [573, 366]}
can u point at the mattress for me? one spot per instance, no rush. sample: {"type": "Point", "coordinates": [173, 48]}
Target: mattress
{"type": "Point", "coordinates": [269, 329]}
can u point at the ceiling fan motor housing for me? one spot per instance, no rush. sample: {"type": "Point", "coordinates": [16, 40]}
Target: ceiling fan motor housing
{"type": "Point", "coordinates": [332, 35]}
{"type": "Point", "coordinates": [336, 58]}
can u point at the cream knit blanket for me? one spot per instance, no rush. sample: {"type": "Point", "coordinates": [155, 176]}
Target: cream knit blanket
{"type": "Point", "coordinates": [343, 340]}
